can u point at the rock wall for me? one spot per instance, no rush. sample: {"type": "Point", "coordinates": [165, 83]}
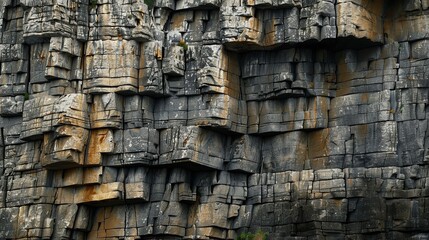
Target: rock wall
{"type": "Point", "coordinates": [307, 119]}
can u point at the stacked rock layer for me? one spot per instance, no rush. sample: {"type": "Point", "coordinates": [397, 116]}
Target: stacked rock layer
{"type": "Point", "coordinates": [205, 119]}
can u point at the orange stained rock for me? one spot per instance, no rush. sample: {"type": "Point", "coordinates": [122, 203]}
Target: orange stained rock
{"type": "Point", "coordinates": [177, 22]}
{"type": "Point", "coordinates": [318, 143]}
{"type": "Point", "coordinates": [101, 141]}
{"type": "Point", "coordinates": [97, 193]}
{"type": "Point", "coordinates": [361, 21]}
{"type": "Point", "coordinates": [270, 32]}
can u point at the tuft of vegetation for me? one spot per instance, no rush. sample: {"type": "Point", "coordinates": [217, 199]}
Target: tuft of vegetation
{"type": "Point", "coordinates": [259, 235]}
{"type": "Point", "coordinates": [183, 44]}
{"type": "Point", "coordinates": [150, 3]}
{"type": "Point", "coordinates": [93, 3]}
{"type": "Point", "coordinates": [26, 96]}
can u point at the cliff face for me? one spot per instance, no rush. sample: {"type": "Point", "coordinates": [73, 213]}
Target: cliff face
{"type": "Point", "coordinates": [207, 118]}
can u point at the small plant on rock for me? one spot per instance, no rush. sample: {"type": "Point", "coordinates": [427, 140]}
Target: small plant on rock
{"type": "Point", "coordinates": [93, 3]}
{"type": "Point", "coordinates": [259, 235]}
{"type": "Point", "coordinates": [183, 44]}
{"type": "Point", "coordinates": [150, 3]}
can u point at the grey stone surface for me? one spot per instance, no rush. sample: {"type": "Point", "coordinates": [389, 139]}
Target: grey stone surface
{"type": "Point", "coordinates": [205, 119]}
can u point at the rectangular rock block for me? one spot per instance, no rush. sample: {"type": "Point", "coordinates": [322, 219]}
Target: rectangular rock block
{"type": "Point", "coordinates": [192, 144]}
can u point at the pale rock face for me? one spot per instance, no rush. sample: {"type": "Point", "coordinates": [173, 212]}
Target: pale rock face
{"type": "Point", "coordinates": [205, 119]}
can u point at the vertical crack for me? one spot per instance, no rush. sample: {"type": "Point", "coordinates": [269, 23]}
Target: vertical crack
{"type": "Point", "coordinates": [122, 159]}
{"type": "Point", "coordinates": [28, 75]}
{"type": "Point", "coordinates": [83, 66]}
{"type": "Point", "coordinates": [336, 21]}
{"type": "Point", "coordinates": [3, 145]}
{"type": "Point", "coordinates": [3, 153]}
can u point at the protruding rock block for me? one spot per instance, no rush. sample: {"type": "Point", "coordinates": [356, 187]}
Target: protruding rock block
{"type": "Point", "coordinates": [11, 106]}
{"type": "Point", "coordinates": [195, 145]}
{"type": "Point", "coordinates": [111, 66]}
{"type": "Point", "coordinates": [100, 141]}
{"type": "Point", "coordinates": [130, 21]}
{"type": "Point", "coordinates": [174, 62]}
{"type": "Point", "coordinates": [218, 71]}
{"type": "Point", "coordinates": [138, 111]}
{"type": "Point", "coordinates": [44, 114]}
{"type": "Point", "coordinates": [288, 73]}
{"type": "Point", "coordinates": [208, 110]}
{"type": "Point", "coordinates": [169, 112]}
{"type": "Point", "coordinates": [70, 109]}
{"type": "Point", "coordinates": [150, 72]}
{"type": "Point", "coordinates": [219, 111]}
{"type": "Point", "coordinates": [34, 112]}
{"type": "Point", "coordinates": [238, 24]}
{"type": "Point", "coordinates": [47, 19]}
{"type": "Point", "coordinates": [245, 154]}
{"type": "Point", "coordinates": [64, 148]}
{"type": "Point", "coordinates": [14, 68]}
{"type": "Point", "coordinates": [360, 19]}
{"type": "Point", "coordinates": [78, 176]}
{"type": "Point", "coordinates": [108, 192]}
{"type": "Point", "coordinates": [274, 116]}
{"type": "Point", "coordinates": [137, 146]}
{"type": "Point", "coordinates": [106, 111]}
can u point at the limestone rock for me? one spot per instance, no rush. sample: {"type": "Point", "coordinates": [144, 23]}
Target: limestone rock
{"type": "Point", "coordinates": [208, 119]}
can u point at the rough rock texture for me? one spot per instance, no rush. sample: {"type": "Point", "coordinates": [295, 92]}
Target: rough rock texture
{"type": "Point", "coordinates": [203, 119]}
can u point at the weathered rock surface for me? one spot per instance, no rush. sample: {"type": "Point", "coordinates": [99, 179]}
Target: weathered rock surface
{"type": "Point", "coordinates": [175, 119]}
